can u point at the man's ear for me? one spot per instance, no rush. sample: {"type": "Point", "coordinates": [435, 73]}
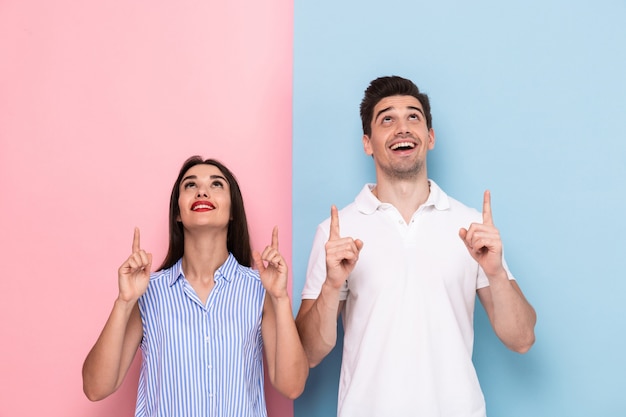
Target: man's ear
{"type": "Point", "coordinates": [367, 145]}
{"type": "Point", "coordinates": [431, 140]}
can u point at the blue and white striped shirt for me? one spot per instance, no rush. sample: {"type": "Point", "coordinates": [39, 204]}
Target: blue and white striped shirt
{"type": "Point", "coordinates": [202, 360]}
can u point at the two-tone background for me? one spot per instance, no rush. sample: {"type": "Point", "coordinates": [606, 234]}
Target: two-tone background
{"type": "Point", "coordinates": [100, 102]}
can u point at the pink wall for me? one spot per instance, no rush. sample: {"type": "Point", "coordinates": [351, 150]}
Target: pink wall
{"type": "Point", "coordinates": [100, 102]}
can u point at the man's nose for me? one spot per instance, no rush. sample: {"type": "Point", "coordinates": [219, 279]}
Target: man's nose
{"type": "Point", "coordinates": [402, 127]}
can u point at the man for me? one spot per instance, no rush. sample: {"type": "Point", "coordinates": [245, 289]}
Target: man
{"type": "Point", "coordinates": [404, 263]}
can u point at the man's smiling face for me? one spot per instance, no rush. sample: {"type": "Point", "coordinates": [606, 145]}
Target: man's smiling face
{"type": "Point", "coordinates": [400, 138]}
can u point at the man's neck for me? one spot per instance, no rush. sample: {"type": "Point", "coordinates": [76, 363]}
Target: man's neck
{"type": "Point", "coordinates": [405, 195]}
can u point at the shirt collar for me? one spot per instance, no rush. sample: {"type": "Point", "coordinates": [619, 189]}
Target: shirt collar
{"type": "Point", "coordinates": [367, 203]}
{"type": "Point", "coordinates": [226, 271]}
{"type": "Point", "coordinates": [437, 197]}
{"type": "Point", "coordinates": [223, 271]}
{"type": "Point", "coordinates": [176, 272]}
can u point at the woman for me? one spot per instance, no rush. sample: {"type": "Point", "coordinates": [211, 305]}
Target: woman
{"type": "Point", "coordinates": [203, 320]}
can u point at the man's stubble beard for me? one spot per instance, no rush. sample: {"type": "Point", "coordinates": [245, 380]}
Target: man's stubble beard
{"type": "Point", "coordinates": [404, 174]}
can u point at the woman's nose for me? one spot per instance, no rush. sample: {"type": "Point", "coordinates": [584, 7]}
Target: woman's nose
{"type": "Point", "coordinates": [202, 192]}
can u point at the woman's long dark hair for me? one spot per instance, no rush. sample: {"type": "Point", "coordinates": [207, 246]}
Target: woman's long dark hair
{"type": "Point", "coordinates": [238, 239]}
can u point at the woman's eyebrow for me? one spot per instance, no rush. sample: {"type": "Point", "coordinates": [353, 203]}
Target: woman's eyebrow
{"type": "Point", "coordinates": [219, 177]}
{"type": "Point", "coordinates": [213, 177]}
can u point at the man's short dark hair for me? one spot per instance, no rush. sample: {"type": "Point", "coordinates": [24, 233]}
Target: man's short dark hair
{"type": "Point", "coordinates": [383, 87]}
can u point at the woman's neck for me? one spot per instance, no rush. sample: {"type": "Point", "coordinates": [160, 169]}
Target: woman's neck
{"type": "Point", "coordinates": [203, 255]}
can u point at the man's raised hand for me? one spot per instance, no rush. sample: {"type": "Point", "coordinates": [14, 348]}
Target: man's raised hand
{"type": "Point", "coordinates": [341, 253]}
{"type": "Point", "coordinates": [483, 240]}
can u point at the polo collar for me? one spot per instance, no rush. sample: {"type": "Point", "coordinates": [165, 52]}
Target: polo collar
{"type": "Point", "coordinates": [367, 203]}
{"type": "Point", "coordinates": [437, 197]}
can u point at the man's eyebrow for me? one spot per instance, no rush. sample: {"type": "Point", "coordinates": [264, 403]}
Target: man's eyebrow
{"type": "Point", "coordinates": [417, 109]}
{"type": "Point", "coordinates": [382, 111]}
{"type": "Point", "coordinates": [391, 108]}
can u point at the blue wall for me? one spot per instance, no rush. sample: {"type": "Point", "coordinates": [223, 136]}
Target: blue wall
{"type": "Point", "coordinates": [529, 101]}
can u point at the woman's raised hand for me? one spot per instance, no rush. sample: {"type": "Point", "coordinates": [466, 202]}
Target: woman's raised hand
{"type": "Point", "coordinates": [274, 275]}
{"type": "Point", "coordinates": [134, 273]}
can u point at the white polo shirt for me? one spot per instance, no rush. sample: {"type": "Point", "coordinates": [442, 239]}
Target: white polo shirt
{"type": "Point", "coordinates": [409, 310]}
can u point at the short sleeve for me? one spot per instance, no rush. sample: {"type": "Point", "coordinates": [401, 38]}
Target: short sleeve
{"type": "Point", "coordinates": [482, 280]}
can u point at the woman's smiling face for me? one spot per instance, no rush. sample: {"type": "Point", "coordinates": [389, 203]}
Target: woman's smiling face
{"type": "Point", "coordinates": [204, 198]}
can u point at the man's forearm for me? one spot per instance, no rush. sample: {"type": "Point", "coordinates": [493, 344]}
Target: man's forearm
{"type": "Point", "coordinates": [513, 317]}
{"type": "Point", "coordinates": [317, 324]}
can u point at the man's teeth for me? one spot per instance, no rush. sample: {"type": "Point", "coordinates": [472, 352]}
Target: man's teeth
{"type": "Point", "coordinates": [403, 145]}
